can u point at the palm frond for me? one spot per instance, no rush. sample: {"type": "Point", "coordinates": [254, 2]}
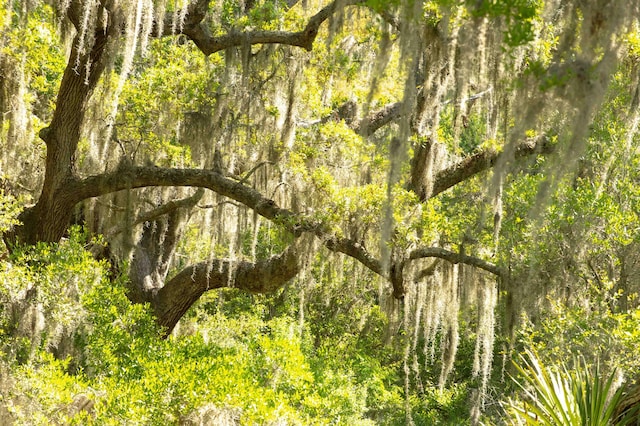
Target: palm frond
{"type": "Point", "coordinates": [561, 397]}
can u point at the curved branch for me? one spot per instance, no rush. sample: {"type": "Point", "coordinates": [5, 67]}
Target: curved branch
{"type": "Point", "coordinates": [365, 126]}
{"type": "Point", "coordinates": [209, 44]}
{"type": "Point", "coordinates": [156, 246]}
{"type": "Point", "coordinates": [180, 292]}
{"type": "Point", "coordinates": [193, 16]}
{"type": "Point", "coordinates": [247, 175]}
{"type": "Point", "coordinates": [146, 176]}
{"type": "Point", "coordinates": [139, 177]}
{"type": "Point", "coordinates": [454, 257]}
{"type": "Point", "coordinates": [354, 250]}
{"type": "Point", "coordinates": [425, 272]}
{"type": "Point", "coordinates": [376, 119]}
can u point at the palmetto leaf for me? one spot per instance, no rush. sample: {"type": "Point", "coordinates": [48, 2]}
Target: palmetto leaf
{"type": "Point", "coordinates": [562, 397]}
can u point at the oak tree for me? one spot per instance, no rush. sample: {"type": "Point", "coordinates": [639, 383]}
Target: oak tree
{"type": "Point", "coordinates": [380, 131]}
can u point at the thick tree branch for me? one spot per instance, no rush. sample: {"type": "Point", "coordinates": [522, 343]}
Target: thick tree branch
{"type": "Point", "coordinates": [365, 126]}
{"type": "Point", "coordinates": [454, 257]}
{"type": "Point", "coordinates": [485, 160]}
{"type": "Point", "coordinates": [354, 250]}
{"type": "Point", "coordinates": [377, 119]}
{"type": "Point", "coordinates": [139, 177]}
{"type": "Point", "coordinates": [429, 270]}
{"type": "Point", "coordinates": [175, 22]}
{"type": "Point", "coordinates": [194, 280]}
{"type": "Point", "coordinates": [178, 294]}
{"type": "Point", "coordinates": [209, 44]}
{"type": "Point", "coordinates": [154, 251]}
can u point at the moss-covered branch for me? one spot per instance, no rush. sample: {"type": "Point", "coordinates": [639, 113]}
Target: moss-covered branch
{"type": "Point", "coordinates": [209, 44]}
{"type": "Point", "coordinates": [180, 292]}
{"type": "Point", "coordinates": [453, 257]}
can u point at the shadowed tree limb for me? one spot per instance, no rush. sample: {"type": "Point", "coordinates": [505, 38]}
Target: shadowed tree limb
{"type": "Point", "coordinates": [156, 247]}
{"type": "Point", "coordinates": [148, 176]}
{"type": "Point", "coordinates": [137, 177]}
{"type": "Point", "coordinates": [365, 126]}
{"type": "Point", "coordinates": [425, 272]}
{"type": "Point", "coordinates": [355, 250]}
{"type": "Point", "coordinates": [180, 292]}
{"type": "Point", "coordinates": [161, 210]}
{"type": "Point", "coordinates": [377, 119]}
{"type": "Point", "coordinates": [209, 44]}
{"type": "Point", "coordinates": [140, 177]}
{"type": "Point", "coordinates": [484, 160]}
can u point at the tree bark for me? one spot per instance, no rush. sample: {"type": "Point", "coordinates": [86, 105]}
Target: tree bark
{"type": "Point", "coordinates": [179, 293]}
{"type": "Point", "coordinates": [486, 159]}
{"type": "Point", "coordinates": [154, 252]}
{"type": "Point", "coordinates": [49, 218]}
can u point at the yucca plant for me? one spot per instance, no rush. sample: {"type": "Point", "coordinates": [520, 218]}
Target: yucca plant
{"type": "Point", "coordinates": [559, 396]}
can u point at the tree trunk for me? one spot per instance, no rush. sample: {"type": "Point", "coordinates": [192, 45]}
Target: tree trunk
{"type": "Point", "coordinates": [49, 218]}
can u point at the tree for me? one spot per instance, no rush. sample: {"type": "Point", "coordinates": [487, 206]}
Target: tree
{"type": "Point", "coordinates": [404, 173]}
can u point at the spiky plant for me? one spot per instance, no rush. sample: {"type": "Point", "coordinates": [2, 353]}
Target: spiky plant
{"type": "Point", "coordinates": [560, 396]}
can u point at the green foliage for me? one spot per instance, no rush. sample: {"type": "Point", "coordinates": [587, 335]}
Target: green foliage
{"type": "Point", "coordinates": [42, 392]}
{"type": "Point", "coordinates": [382, 5]}
{"type": "Point", "coordinates": [520, 16]}
{"type": "Point", "coordinates": [9, 211]}
{"type": "Point", "coordinates": [322, 350]}
{"type": "Point", "coordinates": [40, 293]}
{"type": "Point", "coordinates": [120, 336]}
{"type": "Point", "coordinates": [33, 51]}
{"type": "Point", "coordinates": [157, 96]}
{"type": "Point", "coordinates": [593, 332]}
{"type": "Point", "coordinates": [241, 363]}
